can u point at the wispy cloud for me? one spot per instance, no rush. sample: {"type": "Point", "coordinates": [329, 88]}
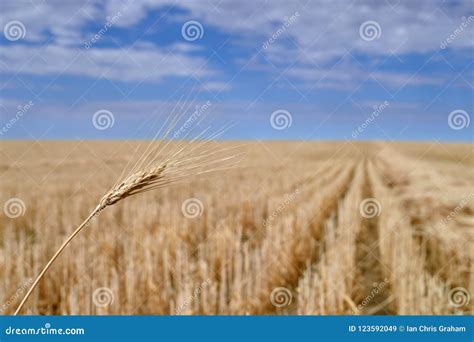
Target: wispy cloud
{"type": "Point", "coordinates": [136, 64]}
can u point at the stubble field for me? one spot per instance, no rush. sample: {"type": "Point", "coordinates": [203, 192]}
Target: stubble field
{"type": "Point", "coordinates": [297, 228]}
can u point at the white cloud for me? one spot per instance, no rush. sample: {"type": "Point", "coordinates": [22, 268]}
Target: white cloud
{"type": "Point", "coordinates": [348, 77]}
{"type": "Point", "coordinates": [401, 79]}
{"type": "Point", "coordinates": [57, 20]}
{"type": "Point", "coordinates": [136, 64]}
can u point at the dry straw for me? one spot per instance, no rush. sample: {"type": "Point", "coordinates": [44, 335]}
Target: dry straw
{"type": "Point", "coordinates": [159, 166]}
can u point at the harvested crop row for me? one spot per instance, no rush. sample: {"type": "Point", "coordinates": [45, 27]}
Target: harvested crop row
{"type": "Point", "coordinates": [443, 225]}
{"type": "Point", "coordinates": [415, 291]}
{"type": "Point", "coordinates": [327, 286]}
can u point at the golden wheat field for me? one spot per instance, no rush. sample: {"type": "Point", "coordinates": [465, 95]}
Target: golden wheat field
{"type": "Point", "coordinates": [305, 228]}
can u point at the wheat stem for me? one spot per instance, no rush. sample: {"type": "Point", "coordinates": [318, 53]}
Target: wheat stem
{"type": "Point", "coordinates": [54, 257]}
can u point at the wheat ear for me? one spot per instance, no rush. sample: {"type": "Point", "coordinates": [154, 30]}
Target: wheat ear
{"type": "Point", "coordinates": [135, 183]}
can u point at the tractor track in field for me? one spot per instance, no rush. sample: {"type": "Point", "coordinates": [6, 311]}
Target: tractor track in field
{"type": "Point", "coordinates": [297, 260]}
{"type": "Point", "coordinates": [371, 287]}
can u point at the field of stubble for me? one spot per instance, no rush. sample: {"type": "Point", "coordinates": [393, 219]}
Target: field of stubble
{"type": "Point", "coordinates": [299, 228]}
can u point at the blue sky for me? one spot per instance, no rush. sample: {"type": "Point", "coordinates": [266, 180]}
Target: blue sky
{"type": "Point", "coordinates": [392, 70]}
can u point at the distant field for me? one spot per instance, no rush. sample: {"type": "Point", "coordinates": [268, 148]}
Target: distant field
{"type": "Point", "coordinates": [296, 228]}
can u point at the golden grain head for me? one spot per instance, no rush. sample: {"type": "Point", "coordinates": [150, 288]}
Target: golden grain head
{"type": "Point", "coordinates": [135, 183]}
